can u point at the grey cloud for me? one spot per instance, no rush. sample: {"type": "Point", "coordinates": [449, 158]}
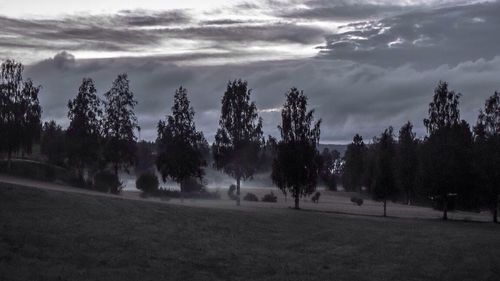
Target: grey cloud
{"type": "Point", "coordinates": [349, 97]}
{"type": "Point", "coordinates": [339, 10]}
{"type": "Point", "coordinates": [126, 31]}
{"type": "Point", "coordinates": [426, 38]}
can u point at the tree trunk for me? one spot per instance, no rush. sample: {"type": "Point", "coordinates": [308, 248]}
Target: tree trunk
{"type": "Point", "coordinates": [297, 202]}
{"type": "Point", "coordinates": [116, 169]}
{"type": "Point", "coordinates": [408, 197]}
{"type": "Point", "coordinates": [182, 186]}
{"type": "Point", "coordinates": [445, 208]}
{"type": "Point", "coordinates": [238, 191]}
{"type": "Point", "coordinates": [385, 207]}
{"type": "Point", "coordinates": [9, 159]}
{"type": "Point", "coordinates": [495, 210]}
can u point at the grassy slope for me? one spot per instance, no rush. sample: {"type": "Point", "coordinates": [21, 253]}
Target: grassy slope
{"type": "Point", "coordinates": [59, 236]}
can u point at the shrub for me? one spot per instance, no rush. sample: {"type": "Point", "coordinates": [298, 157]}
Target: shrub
{"type": "Point", "coordinates": [270, 197]}
{"type": "Point", "coordinates": [192, 185]}
{"type": "Point", "coordinates": [251, 197]}
{"type": "Point", "coordinates": [105, 181]}
{"type": "Point", "coordinates": [357, 200]}
{"type": "Point", "coordinates": [147, 182]}
{"type": "Point", "coordinates": [316, 196]}
{"type": "Point", "coordinates": [230, 192]}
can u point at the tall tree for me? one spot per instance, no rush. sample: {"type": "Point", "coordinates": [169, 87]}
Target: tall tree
{"type": "Point", "coordinates": [120, 124]}
{"type": "Point", "coordinates": [20, 110]}
{"type": "Point", "coordinates": [487, 152]}
{"type": "Point", "coordinates": [354, 164]}
{"type": "Point", "coordinates": [180, 145]}
{"type": "Point", "coordinates": [407, 161]}
{"type": "Point", "coordinates": [384, 185]}
{"type": "Point", "coordinates": [447, 150]}
{"type": "Point", "coordinates": [297, 163]}
{"type": "Point", "coordinates": [52, 143]}
{"type": "Point", "coordinates": [239, 138]}
{"type": "Point", "coordinates": [84, 133]}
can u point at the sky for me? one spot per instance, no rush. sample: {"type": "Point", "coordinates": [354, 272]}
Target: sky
{"type": "Point", "coordinates": [364, 65]}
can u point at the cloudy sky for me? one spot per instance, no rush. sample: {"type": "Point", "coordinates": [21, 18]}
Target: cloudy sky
{"type": "Point", "coordinates": [365, 65]}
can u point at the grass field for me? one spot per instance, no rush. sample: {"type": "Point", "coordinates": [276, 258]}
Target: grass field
{"type": "Point", "coordinates": [46, 235]}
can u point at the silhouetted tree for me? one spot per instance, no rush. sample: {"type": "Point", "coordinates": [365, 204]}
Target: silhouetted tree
{"type": "Point", "coordinates": [297, 163]}
{"type": "Point", "coordinates": [120, 124]}
{"type": "Point", "coordinates": [354, 166]}
{"type": "Point", "coordinates": [407, 161]}
{"type": "Point", "coordinates": [384, 185]}
{"type": "Point", "coordinates": [487, 153]}
{"type": "Point", "coordinates": [84, 133]}
{"type": "Point", "coordinates": [239, 138]}
{"type": "Point", "coordinates": [20, 111]}
{"type": "Point", "coordinates": [180, 146]}
{"type": "Point", "coordinates": [52, 143]}
{"type": "Point", "coordinates": [446, 163]}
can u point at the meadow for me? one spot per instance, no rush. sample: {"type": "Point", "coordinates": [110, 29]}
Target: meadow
{"type": "Point", "coordinates": [51, 235]}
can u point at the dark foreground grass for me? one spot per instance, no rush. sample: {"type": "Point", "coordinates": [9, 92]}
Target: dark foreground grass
{"type": "Point", "coordinates": [60, 236]}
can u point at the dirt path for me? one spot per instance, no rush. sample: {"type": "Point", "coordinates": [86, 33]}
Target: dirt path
{"type": "Point", "coordinates": [330, 202]}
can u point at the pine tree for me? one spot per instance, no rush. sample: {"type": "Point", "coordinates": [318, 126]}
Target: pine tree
{"type": "Point", "coordinates": [180, 145]}
{"type": "Point", "coordinates": [84, 133]}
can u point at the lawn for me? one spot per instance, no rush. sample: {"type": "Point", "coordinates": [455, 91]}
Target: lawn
{"type": "Point", "coordinates": [47, 235]}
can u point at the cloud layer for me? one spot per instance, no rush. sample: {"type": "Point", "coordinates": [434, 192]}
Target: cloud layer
{"type": "Point", "coordinates": [365, 65]}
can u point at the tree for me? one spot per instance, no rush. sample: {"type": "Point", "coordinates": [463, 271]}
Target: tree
{"type": "Point", "coordinates": [297, 163]}
{"type": "Point", "coordinates": [447, 151]}
{"type": "Point", "coordinates": [487, 152]}
{"type": "Point", "coordinates": [239, 138]}
{"type": "Point", "coordinates": [20, 110]}
{"type": "Point", "coordinates": [407, 161]}
{"type": "Point", "coordinates": [52, 143]}
{"type": "Point", "coordinates": [84, 133]}
{"type": "Point", "coordinates": [180, 146]}
{"type": "Point", "coordinates": [354, 164]}
{"type": "Point", "coordinates": [119, 125]}
{"type": "Point", "coordinates": [384, 186]}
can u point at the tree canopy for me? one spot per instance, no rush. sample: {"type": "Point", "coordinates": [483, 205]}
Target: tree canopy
{"type": "Point", "coordinates": [119, 125]}
{"type": "Point", "coordinates": [84, 132]}
{"type": "Point", "coordinates": [180, 145]}
{"type": "Point", "coordinates": [239, 138]}
{"type": "Point", "coordinates": [20, 110]}
{"type": "Point", "coordinates": [297, 163]}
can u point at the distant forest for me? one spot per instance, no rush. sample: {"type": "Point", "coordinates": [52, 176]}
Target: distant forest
{"type": "Point", "coordinates": [455, 166]}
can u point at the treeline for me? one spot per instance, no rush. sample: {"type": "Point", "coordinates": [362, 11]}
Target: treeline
{"type": "Point", "coordinates": [453, 165]}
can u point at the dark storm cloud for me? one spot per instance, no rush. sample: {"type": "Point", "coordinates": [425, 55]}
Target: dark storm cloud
{"type": "Point", "coordinates": [426, 38]}
{"type": "Point", "coordinates": [349, 97]}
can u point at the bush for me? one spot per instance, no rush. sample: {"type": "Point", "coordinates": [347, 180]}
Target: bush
{"type": "Point", "coordinates": [251, 197]}
{"type": "Point", "coordinates": [315, 197]}
{"type": "Point", "coordinates": [230, 192]}
{"type": "Point", "coordinates": [270, 197]}
{"type": "Point", "coordinates": [357, 200]}
{"type": "Point", "coordinates": [147, 182]}
{"type": "Point", "coordinates": [105, 181]}
{"type": "Point", "coordinates": [192, 185]}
